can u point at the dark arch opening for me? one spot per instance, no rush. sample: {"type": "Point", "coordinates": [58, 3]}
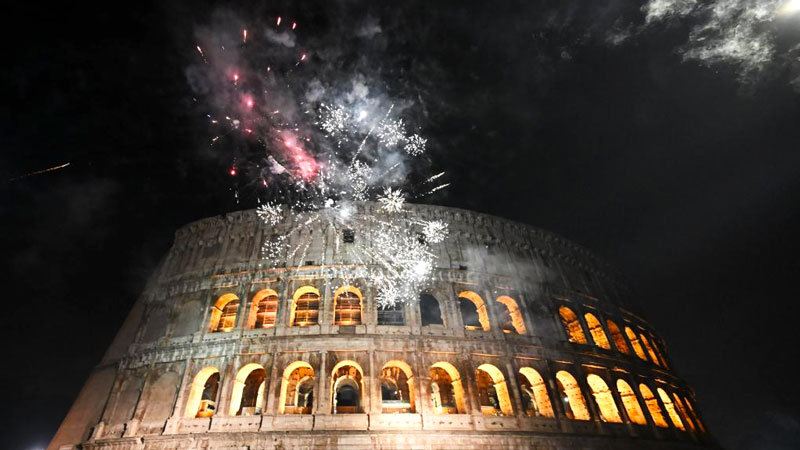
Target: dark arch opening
{"type": "Point", "coordinates": [430, 311]}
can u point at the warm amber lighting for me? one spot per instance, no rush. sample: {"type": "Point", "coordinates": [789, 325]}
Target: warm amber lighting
{"type": "Point", "coordinates": [248, 390]}
{"type": "Point", "coordinates": [203, 393]}
{"type": "Point", "coordinates": [263, 309]}
{"type": "Point", "coordinates": [572, 325]}
{"type": "Point", "coordinates": [604, 399]}
{"type": "Point", "coordinates": [297, 389]}
{"type": "Point", "coordinates": [347, 388]}
{"type": "Point", "coordinates": [652, 406]}
{"type": "Point", "coordinates": [598, 335]}
{"type": "Point", "coordinates": [631, 403]}
{"type": "Point", "coordinates": [480, 309]}
{"type": "Point", "coordinates": [347, 301]}
{"type": "Point", "coordinates": [570, 393]}
{"type": "Point", "coordinates": [512, 319]}
{"type": "Point", "coordinates": [447, 392]}
{"type": "Point", "coordinates": [617, 337]}
{"type": "Point", "coordinates": [223, 314]}
{"type": "Point", "coordinates": [637, 348]}
{"type": "Point", "coordinates": [673, 414]}
{"type": "Point", "coordinates": [397, 388]}
{"type": "Point", "coordinates": [534, 393]}
{"type": "Point", "coordinates": [304, 310]}
{"type": "Point", "coordinates": [492, 391]}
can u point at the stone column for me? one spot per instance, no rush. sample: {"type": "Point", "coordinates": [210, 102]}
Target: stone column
{"type": "Point", "coordinates": [322, 396]}
{"type": "Point", "coordinates": [275, 381]}
{"type": "Point", "coordinates": [513, 385]}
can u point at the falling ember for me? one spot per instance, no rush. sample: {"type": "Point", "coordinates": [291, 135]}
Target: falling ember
{"type": "Point", "coordinates": [279, 21]}
{"type": "Point", "coordinates": [302, 58]}
{"type": "Point", "coordinates": [39, 172]}
{"type": "Point", "coordinates": [233, 171]}
{"type": "Point", "coordinates": [249, 102]}
{"type": "Point", "coordinates": [294, 25]}
{"type": "Point", "coordinates": [200, 50]}
{"type": "Point", "coordinates": [244, 36]}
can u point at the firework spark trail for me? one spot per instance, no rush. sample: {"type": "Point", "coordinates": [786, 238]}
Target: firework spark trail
{"type": "Point", "coordinates": [318, 163]}
{"type": "Point", "coordinates": [39, 172]}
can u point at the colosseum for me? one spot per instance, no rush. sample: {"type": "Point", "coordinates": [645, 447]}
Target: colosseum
{"type": "Point", "coordinates": [523, 340]}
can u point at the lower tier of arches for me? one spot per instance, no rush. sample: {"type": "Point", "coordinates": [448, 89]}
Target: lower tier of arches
{"type": "Point", "coordinates": [482, 435]}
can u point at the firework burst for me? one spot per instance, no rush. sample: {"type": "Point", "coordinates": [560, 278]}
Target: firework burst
{"type": "Point", "coordinates": [310, 163]}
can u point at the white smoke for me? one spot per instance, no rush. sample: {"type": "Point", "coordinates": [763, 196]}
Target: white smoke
{"type": "Point", "coordinates": [741, 34]}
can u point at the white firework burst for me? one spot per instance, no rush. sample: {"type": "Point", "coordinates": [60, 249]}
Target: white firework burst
{"type": "Point", "coordinates": [392, 201]}
{"type": "Point", "coordinates": [358, 174]}
{"type": "Point", "coordinates": [270, 213]}
{"type": "Point", "coordinates": [435, 231]}
{"type": "Point", "coordinates": [334, 120]}
{"type": "Point", "coordinates": [391, 132]}
{"type": "Point", "coordinates": [415, 145]}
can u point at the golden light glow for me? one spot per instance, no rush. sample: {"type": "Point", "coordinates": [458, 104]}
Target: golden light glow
{"type": "Point", "coordinates": [652, 406]}
{"type": "Point", "coordinates": [480, 307]}
{"type": "Point", "coordinates": [494, 395]}
{"type": "Point", "coordinates": [631, 403]}
{"type": "Point", "coordinates": [596, 330]}
{"type": "Point", "coordinates": [572, 325]}
{"type": "Point", "coordinates": [534, 387]}
{"type": "Point", "coordinates": [570, 392]}
{"type": "Point", "coordinates": [516, 323]}
{"type": "Point", "coordinates": [604, 399]}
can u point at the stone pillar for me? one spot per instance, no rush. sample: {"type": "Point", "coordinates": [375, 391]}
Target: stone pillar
{"type": "Point", "coordinates": [322, 396]}
{"type": "Point", "coordinates": [275, 382]}
{"type": "Point", "coordinates": [373, 385]}
{"type": "Point", "coordinates": [513, 385]}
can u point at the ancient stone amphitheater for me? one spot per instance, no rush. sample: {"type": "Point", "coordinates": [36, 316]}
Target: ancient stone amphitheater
{"type": "Point", "coordinates": [524, 340]}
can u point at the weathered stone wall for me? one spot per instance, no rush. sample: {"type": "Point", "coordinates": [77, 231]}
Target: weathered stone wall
{"type": "Point", "coordinates": [137, 397]}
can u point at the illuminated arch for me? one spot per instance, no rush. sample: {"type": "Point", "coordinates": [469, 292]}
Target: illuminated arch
{"type": "Point", "coordinates": [572, 325]}
{"type": "Point", "coordinates": [447, 390]}
{"type": "Point", "coordinates": [694, 415]}
{"type": "Point", "coordinates": [604, 400]}
{"type": "Point", "coordinates": [617, 337]}
{"type": "Point", "coordinates": [492, 390]}
{"type": "Point", "coordinates": [397, 387]}
{"type": "Point", "coordinates": [347, 305]}
{"type": "Point", "coordinates": [650, 351]}
{"type": "Point", "coordinates": [513, 320]}
{"type": "Point", "coordinates": [637, 347]}
{"type": "Point", "coordinates": [652, 406]}
{"type": "Point", "coordinates": [480, 309]}
{"type": "Point", "coordinates": [305, 307]}
{"type": "Point", "coordinates": [673, 413]}
{"type": "Point", "coordinates": [263, 309]}
{"type": "Point", "coordinates": [295, 396]}
{"type": "Point", "coordinates": [683, 412]}
{"type": "Point", "coordinates": [596, 330]}
{"type": "Point", "coordinates": [202, 400]}
{"type": "Point", "coordinates": [659, 352]}
{"type": "Point", "coordinates": [248, 390]}
{"type": "Point", "coordinates": [223, 314]}
{"type": "Point", "coordinates": [631, 403]}
{"type": "Point", "coordinates": [347, 377]}
{"type": "Point", "coordinates": [570, 393]}
{"type": "Point", "coordinates": [534, 393]}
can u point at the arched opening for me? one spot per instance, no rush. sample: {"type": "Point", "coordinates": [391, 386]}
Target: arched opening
{"type": "Point", "coordinates": [397, 388]}
{"type": "Point", "coordinates": [571, 397]}
{"type": "Point", "coordinates": [223, 314]}
{"type": "Point", "coordinates": [637, 347]}
{"type": "Point", "coordinates": [473, 311]}
{"type": "Point", "coordinates": [572, 325]}
{"type": "Point", "coordinates": [305, 307]}
{"type": "Point", "coordinates": [202, 400]}
{"type": "Point", "coordinates": [650, 351]}
{"type": "Point", "coordinates": [659, 353]}
{"type": "Point", "coordinates": [297, 389]}
{"type": "Point", "coordinates": [652, 406]}
{"type": "Point", "coordinates": [393, 314]}
{"type": "Point", "coordinates": [447, 392]}
{"type": "Point", "coordinates": [347, 306]}
{"type": "Point", "coordinates": [596, 329]}
{"type": "Point", "coordinates": [617, 337]}
{"type": "Point", "coordinates": [603, 399]}
{"type": "Point", "coordinates": [673, 414]}
{"type": "Point", "coordinates": [492, 391]}
{"type": "Point", "coordinates": [347, 388]}
{"type": "Point", "coordinates": [264, 309]}
{"type": "Point", "coordinates": [248, 391]}
{"type": "Point", "coordinates": [683, 412]}
{"type": "Point", "coordinates": [512, 321]}
{"type": "Point", "coordinates": [694, 415]}
{"type": "Point", "coordinates": [430, 311]}
{"type": "Point", "coordinates": [631, 403]}
{"type": "Point", "coordinates": [534, 394]}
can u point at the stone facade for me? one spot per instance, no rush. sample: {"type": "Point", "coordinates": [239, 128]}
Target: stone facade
{"type": "Point", "coordinates": [552, 320]}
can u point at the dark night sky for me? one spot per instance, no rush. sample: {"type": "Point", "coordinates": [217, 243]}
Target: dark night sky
{"type": "Point", "coordinates": [674, 172]}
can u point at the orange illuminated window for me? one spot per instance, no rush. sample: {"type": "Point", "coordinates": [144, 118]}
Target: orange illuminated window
{"type": "Point", "coordinates": [247, 397]}
{"type": "Point", "coordinates": [631, 403]}
{"type": "Point", "coordinates": [447, 392]}
{"type": "Point", "coordinates": [202, 400]}
{"type": "Point", "coordinates": [617, 337]}
{"type": "Point", "coordinates": [572, 325]}
{"type": "Point", "coordinates": [264, 309]}
{"type": "Point", "coordinates": [652, 406]}
{"type": "Point", "coordinates": [347, 306]}
{"type": "Point", "coordinates": [673, 413]}
{"type": "Point", "coordinates": [397, 388]}
{"type": "Point", "coordinates": [297, 389]}
{"type": "Point", "coordinates": [223, 314]}
{"type": "Point", "coordinates": [649, 349]}
{"type": "Point", "coordinates": [535, 399]}
{"type": "Point", "coordinates": [492, 391]}
{"type": "Point", "coordinates": [637, 347]}
{"type": "Point", "coordinates": [305, 307]}
{"type": "Point", "coordinates": [604, 399]}
{"type": "Point", "coordinates": [571, 397]}
{"type": "Point", "coordinates": [347, 388]}
{"type": "Point", "coordinates": [596, 329]}
{"type": "Point", "coordinates": [473, 311]}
